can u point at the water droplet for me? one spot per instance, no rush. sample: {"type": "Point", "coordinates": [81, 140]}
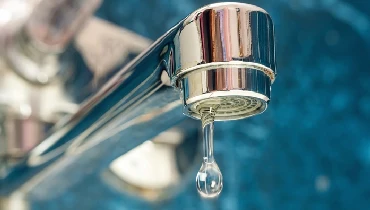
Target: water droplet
{"type": "Point", "coordinates": [209, 177]}
{"type": "Point", "coordinates": [209, 180]}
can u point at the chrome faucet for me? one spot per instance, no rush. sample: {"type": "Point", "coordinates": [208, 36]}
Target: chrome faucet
{"type": "Point", "coordinates": [221, 54]}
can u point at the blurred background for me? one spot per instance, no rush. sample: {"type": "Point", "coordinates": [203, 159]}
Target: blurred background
{"type": "Point", "coordinates": [309, 150]}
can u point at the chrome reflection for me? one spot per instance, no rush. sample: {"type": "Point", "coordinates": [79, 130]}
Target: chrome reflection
{"type": "Point", "coordinates": [14, 202]}
{"type": "Point", "coordinates": [155, 169]}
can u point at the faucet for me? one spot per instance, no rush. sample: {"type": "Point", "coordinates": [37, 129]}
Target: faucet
{"type": "Point", "coordinates": [222, 54]}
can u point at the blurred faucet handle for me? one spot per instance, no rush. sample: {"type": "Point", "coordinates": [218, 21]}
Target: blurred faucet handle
{"type": "Point", "coordinates": [13, 15]}
{"type": "Point", "coordinates": [34, 34]}
{"type": "Point", "coordinates": [34, 51]}
{"type": "Point", "coordinates": [55, 22]}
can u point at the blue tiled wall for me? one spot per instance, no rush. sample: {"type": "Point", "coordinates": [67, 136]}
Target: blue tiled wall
{"type": "Point", "coordinates": [311, 148]}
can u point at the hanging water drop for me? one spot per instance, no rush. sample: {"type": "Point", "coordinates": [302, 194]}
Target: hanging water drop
{"type": "Point", "coordinates": [209, 177]}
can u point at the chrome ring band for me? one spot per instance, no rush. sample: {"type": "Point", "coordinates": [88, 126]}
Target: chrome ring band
{"type": "Point", "coordinates": [230, 64]}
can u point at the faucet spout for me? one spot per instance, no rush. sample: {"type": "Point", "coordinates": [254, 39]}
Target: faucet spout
{"type": "Point", "coordinates": [226, 57]}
